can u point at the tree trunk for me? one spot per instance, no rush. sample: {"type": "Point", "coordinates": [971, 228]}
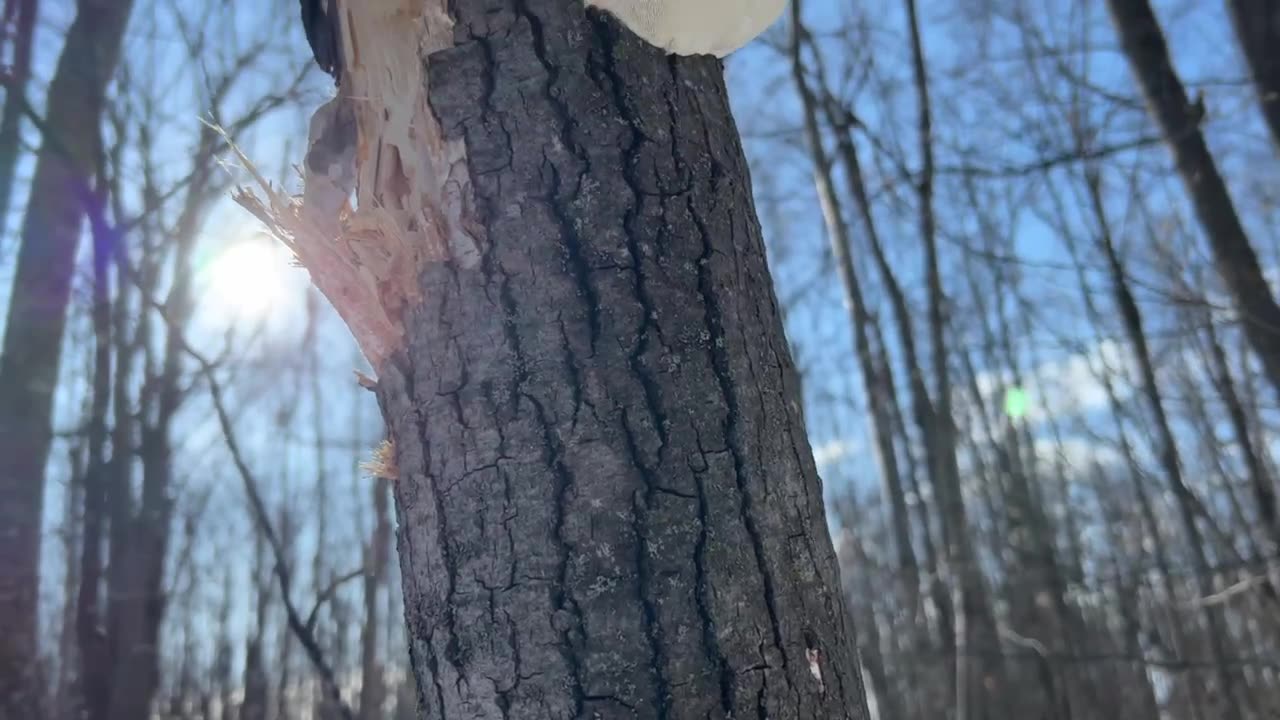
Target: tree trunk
{"type": "Point", "coordinates": [376, 555]}
{"type": "Point", "coordinates": [1257, 25]}
{"type": "Point", "coordinates": [94, 672]}
{"type": "Point", "coordinates": [1188, 691]}
{"type": "Point", "coordinates": [33, 335]}
{"type": "Point", "coordinates": [1259, 479]}
{"type": "Point", "coordinates": [921, 406]}
{"type": "Point", "coordinates": [608, 506]}
{"type": "Point", "coordinates": [873, 386]}
{"type": "Point", "coordinates": [1179, 119]}
{"type": "Point", "coordinates": [17, 75]}
{"type": "Point", "coordinates": [1166, 449]}
{"type": "Point", "coordinates": [1139, 697]}
{"type": "Point", "coordinates": [64, 689]}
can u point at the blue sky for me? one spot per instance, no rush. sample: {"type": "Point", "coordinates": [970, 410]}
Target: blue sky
{"type": "Point", "coordinates": [969, 115]}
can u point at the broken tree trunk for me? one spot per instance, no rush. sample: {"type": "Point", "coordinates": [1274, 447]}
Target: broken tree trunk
{"type": "Point", "coordinates": [607, 502]}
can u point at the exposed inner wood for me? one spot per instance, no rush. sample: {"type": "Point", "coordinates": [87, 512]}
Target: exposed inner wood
{"type": "Point", "coordinates": [411, 184]}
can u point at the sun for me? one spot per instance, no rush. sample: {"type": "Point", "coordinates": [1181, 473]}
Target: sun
{"type": "Point", "coordinates": [247, 281]}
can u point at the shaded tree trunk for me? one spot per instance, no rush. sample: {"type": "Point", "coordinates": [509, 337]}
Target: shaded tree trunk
{"type": "Point", "coordinates": [884, 691]}
{"type": "Point", "coordinates": [63, 703]}
{"type": "Point", "coordinates": [16, 77]}
{"type": "Point", "coordinates": [1257, 26]}
{"type": "Point", "coordinates": [922, 408]}
{"type": "Point", "coordinates": [607, 502]}
{"type": "Point", "coordinates": [1139, 696]}
{"type": "Point", "coordinates": [377, 553]}
{"type": "Point", "coordinates": [1261, 483]}
{"type": "Point", "coordinates": [93, 676]}
{"type": "Point", "coordinates": [1179, 120]}
{"type": "Point", "coordinates": [1166, 449]}
{"type": "Point", "coordinates": [873, 386]}
{"type": "Point", "coordinates": [1191, 692]}
{"type": "Point", "coordinates": [33, 334]}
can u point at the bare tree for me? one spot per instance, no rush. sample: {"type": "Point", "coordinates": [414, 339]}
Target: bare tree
{"type": "Point", "coordinates": [377, 554]}
{"type": "Point", "coordinates": [19, 25]}
{"type": "Point", "coordinates": [625, 479]}
{"type": "Point", "coordinates": [1257, 26]}
{"type": "Point", "coordinates": [33, 334]}
{"type": "Point", "coordinates": [842, 249]}
{"type": "Point", "coordinates": [596, 480]}
{"type": "Point", "coordinates": [1179, 119]}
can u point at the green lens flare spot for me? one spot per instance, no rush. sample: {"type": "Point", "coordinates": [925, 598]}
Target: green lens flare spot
{"type": "Point", "coordinates": [1016, 402]}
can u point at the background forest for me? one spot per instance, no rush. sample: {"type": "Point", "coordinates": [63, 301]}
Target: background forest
{"type": "Point", "coordinates": [971, 210]}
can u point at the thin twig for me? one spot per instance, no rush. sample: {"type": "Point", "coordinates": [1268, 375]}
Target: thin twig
{"type": "Point", "coordinates": [328, 594]}
{"type": "Point", "coordinates": [299, 628]}
{"type": "Point", "coordinates": [296, 624]}
{"type": "Point", "coordinates": [1231, 591]}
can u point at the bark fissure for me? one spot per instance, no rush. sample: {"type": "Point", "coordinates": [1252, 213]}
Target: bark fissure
{"type": "Point", "coordinates": [564, 601]}
{"type": "Point", "coordinates": [629, 510]}
{"type": "Point", "coordinates": [723, 376]}
{"type": "Point", "coordinates": [573, 243]}
{"type": "Point", "coordinates": [442, 541]}
{"type": "Point", "coordinates": [702, 591]}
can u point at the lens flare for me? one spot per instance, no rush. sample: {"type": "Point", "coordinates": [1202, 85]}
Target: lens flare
{"type": "Point", "coordinates": [246, 281]}
{"type": "Point", "coordinates": [1016, 403]}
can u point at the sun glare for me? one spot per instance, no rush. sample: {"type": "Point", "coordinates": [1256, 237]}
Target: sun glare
{"type": "Point", "coordinates": [247, 281]}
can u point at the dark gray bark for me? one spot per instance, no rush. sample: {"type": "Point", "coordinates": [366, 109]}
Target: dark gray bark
{"type": "Point", "coordinates": [608, 507]}
{"type": "Point", "coordinates": [1257, 25]}
{"type": "Point", "coordinates": [33, 335]}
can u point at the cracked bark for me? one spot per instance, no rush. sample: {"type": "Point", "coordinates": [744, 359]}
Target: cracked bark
{"type": "Point", "coordinates": [607, 503]}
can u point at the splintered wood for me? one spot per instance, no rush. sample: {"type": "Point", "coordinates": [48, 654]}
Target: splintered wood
{"type": "Point", "coordinates": [412, 187]}
{"type": "Point", "coordinates": [382, 464]}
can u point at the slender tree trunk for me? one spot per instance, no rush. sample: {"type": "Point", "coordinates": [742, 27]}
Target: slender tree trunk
{"type": "Point", "coordinates": [17, 75]}
{"type": "Point", "coordinates": [1261, 483]}
{"type": "Point", "coordinates": [1037, 598]}
{"type": "Point", "coordinates": [372, 683]}
{"type": "Point", "coordinates": [942, 609]}
{"type": "Point", "coordinates": [1138, 694]}
{"type": "Point", "coordinates": [607, 502]}
{"type": "Point", "coordinates": [872, 385]}
{"type": "Point", "coordinates": [94, 665]}
{"type": "Point", "coordinates": [64, 703]}
{"type": "Point", "coordinates": [1166, 450]}
{"type": "Point", "coordinates": [138, 590]}
{"type": "Point", "coordinates": [988, 688]}
{"type": "Point", "coordinates": [1257, 26]}
{"type": "Point", "coordinates": [1146, 512]}
{"type": "Point", "coordinates": [883, 689]}
{"type": "Point", "coordinates": [33, 336]}
{"type": "Point", "coordinates": [921, 405]}
{"type": "Point", "coordinates": [1179, 120]}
